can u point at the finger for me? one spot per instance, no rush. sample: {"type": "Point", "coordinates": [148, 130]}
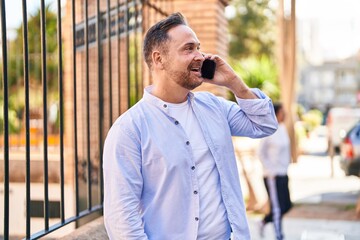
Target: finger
{"type": "Point", "coordinates": [207, 55]}
{"type": "Point", "coordinates": [214, 57]}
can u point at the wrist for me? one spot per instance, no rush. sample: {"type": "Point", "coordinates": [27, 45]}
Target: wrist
{"type": "Point", "coordinates": [240, 89]}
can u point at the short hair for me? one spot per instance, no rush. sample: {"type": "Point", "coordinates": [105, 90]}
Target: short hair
{"type": "Point", "coordinates": [157, 35]}
{"type": "Point", "coordinates": [277, 107]}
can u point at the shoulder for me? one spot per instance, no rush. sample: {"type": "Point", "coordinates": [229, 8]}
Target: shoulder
{"type": "Point", "coordinates": [129, 122]}
{"type": "Point", "coordinates": [208, 97]}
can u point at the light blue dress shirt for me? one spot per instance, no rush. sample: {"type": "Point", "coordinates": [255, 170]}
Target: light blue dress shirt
{"type": "Point", "coordinates": [149, 170]}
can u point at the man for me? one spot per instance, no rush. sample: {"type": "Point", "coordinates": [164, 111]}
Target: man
{"type": "Point", "coordinates": [274, 154]}
{"type": "Point", "coordinates": [169, 165]}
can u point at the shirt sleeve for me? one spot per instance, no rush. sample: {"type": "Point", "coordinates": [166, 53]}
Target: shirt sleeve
{"type": "Point", "coordinates": [253, 118]}
{"type": "Point", "coordinates": [122, 185]}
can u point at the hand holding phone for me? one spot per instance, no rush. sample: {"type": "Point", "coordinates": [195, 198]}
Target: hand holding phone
{"type": "Point", "coordinates": [208, 69]}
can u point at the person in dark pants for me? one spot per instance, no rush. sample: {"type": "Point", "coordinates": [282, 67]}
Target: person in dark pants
{"type": "Point", "coordinates": [274, 154]}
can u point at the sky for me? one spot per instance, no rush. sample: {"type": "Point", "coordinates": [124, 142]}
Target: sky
{"type": "Point", "coordinates": [338, 25]}
{"type": "Point", "coordinates": [328, 9]}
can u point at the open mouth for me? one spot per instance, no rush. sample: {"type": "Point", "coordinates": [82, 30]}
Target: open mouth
{"type": "Point", "coordinates": [195, 69]}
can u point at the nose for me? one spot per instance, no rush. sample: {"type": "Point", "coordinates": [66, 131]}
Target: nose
{"type": "Point", "coordinates": [199, 56]}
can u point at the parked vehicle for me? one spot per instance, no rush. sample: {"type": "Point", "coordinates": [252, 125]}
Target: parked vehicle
{"type": "Point", "coordinates": [350, 151]}
{"type": "Point", "coordinates": [339, 121]}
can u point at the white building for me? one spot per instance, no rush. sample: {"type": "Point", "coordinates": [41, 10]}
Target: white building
{"type": "Point", "coordinates": [328, 54]}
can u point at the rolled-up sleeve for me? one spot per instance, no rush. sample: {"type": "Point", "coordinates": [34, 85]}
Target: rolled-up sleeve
{"type": "Point", "coordinates": [122, 185]}
{"type": "Point", "coordinates": [253, 118]}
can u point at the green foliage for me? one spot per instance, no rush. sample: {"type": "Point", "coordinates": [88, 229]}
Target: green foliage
{"type": "Point", "coordinates": [259, 73]}
{"type": "Point", "coordinates": [252, 40]}
{"type": "Point", "coordinates": [16, 72]}
{"type": "Point", "coordinates": [14, 120]}
{"type": "Point", "coordinates": [252, 29]}
{"type": "Point", "coordinates": [135, 69]}
{"type": "Point", "coordinates": [16, 68]}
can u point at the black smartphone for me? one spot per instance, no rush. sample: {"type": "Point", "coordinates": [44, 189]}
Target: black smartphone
{"type": "Point", "coordinates": [208, 69]}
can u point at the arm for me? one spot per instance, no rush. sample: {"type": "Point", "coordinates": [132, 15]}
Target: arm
{"type": "Point", "coordinates": [253, 118]}
{"type": "Point", "coordinates": [254, 115]}
{"type": "Point", "coordinates": [122, 186]}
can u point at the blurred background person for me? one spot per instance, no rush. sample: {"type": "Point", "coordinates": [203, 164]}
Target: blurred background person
{"type": "Point", "coordinates": [275, 154]}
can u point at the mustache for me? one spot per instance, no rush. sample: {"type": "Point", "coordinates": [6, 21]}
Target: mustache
{"type": "Point", "coordinates": [194, 65]}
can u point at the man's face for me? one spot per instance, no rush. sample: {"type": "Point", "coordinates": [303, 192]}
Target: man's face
{"type": "Point", "coordinates": [183, 60]}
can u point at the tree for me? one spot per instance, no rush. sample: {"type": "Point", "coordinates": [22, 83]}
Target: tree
{"type": "Point", "coordinates": [252, 29]}
{"type": "Point", "coordinates": [252, 44]}
{"type": "Point", "coordinates": [259, 73]}
{"type": "Point", "coordinates": [16, 71]}
{"type": "Point", "coordinates": [251, 51]}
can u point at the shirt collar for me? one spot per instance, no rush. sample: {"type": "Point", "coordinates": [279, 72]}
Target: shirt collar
{"type": "Point", "coordinates": [148, 97]}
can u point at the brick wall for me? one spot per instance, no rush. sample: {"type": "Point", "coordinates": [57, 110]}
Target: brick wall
{"type": "Point", "coordinates": [205, 17]}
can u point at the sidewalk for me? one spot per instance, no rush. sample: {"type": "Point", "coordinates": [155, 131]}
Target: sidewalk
{"type": "Point", "coordinates": [324, 203]}
{"type": "Point", "coordinates": [309, 229]}
{"type": "Point", "coordinates": [313, 187]}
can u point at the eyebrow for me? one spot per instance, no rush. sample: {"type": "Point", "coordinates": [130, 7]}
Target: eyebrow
{"type": "Point", "coordinates": [192, 44]}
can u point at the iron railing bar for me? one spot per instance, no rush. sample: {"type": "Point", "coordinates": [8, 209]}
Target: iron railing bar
{"type": "Point", "coordinates": [87, 79]}
{"type": "Point", "coordinates": [110, 92]}
{"type": "Point", "coordinates": [100, 82]}
{"type": "Point", "coordinates": [135, 52]}
{"type": "Point", "coordinates": [67, 221]}
{"type": "Point", "coordinates": [128, 52]}
{"type": "Point", "coordinates": [136, 69]}
{"type": "Point", "coordinates": [109, 61]}
{"type": "Point", "coordinates": [45, 133]}
{"type": "Point", "coordinates": [76, 160]}
{"type": "Point", "coordinates": [147, 22]}
{"type": "Point", "coordinates": [61, 111]}
{"type": "Point", "coordinates": [27, 117]}
{"type": "Point", "coordinates": [6, 118]}
{"type": "Point", "coordinates": [118, 53]}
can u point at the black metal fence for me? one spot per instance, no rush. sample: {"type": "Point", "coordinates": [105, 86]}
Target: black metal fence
{"type": "Point", "coordinates": [65, 76]}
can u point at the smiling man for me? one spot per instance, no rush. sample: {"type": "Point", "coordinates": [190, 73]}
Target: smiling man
{"type": "Point", "coordinates": [169, 165]}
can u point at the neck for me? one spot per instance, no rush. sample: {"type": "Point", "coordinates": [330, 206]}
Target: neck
{"type": "Point", "coordinates": [170, 93]}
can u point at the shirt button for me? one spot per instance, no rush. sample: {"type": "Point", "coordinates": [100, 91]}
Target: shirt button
{"type": "Point", "coordinates": [195, 192]}
{"type": "Point", "coordinates": [196, 219]}
{"type": "Point", "coordinates": [187, 142]}
{"type": "Point", "coordinates": [193, 168]}
{"type": "Point", "coordinates": [165, 106]}
{"type": "Point", "coordinates": [176, 122]}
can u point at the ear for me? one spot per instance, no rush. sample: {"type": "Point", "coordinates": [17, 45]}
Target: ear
{"type": "Point", "coordinates": [157, 60]}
